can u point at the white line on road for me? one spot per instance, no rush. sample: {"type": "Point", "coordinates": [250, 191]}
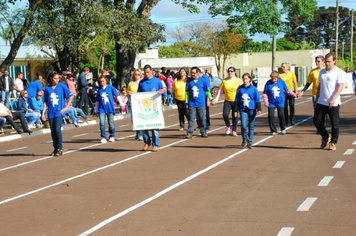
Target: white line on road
{"type": "Point", "coordinates": [124, 125]}
{"type": "Point", "coordinates": [16, 149]}
{"type": "Point", "coordinates": [339, 164]}
{"type": "Point", "coordinates": [325, 181]}
{"type": "Point", "coordinates": [79, 135]}
{"type": "Point", "coordinates": [172, 115]}
{"type": "Point", "coordinates": [354, 143]}
{"type": "Point", "coordinates": [305, 206]}
{"type": "Point", "coordinates": [285, 231]}
{"type": "Point", "coordinates": [349, 151]}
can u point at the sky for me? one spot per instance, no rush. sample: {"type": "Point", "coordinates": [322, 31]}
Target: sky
{"type": "Point", "coordinates": [174, 15]}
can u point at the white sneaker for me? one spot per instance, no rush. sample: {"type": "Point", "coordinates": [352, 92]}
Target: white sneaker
{"type": "Point", "coordinates": [274, 133]}
{"type": "Point", "coordinates": [112, 139]}
{"type": "Point", "coordinates": [228, 130]}
{"type": "Point", "coordinates": [39, 125]}
{"type": "Point", "coordinates": [234, 133]}
{"type": "Point", "coordinates": [103, 140]}
{"type": "Point", "coordinates": [284, 132]}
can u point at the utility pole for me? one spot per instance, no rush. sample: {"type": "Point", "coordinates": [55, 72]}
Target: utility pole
{"type": "Point", "coordinates": [337, 29]}
{"type": "Point", "coordinates": [352, 38]}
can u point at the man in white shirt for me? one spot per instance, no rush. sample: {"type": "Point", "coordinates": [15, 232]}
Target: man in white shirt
{"type": "Point", "coordinates": [19, 84]}
{"type": "Point", "coordinates": [10, 117]}
{"type": "Point", "coordinates": [6, 87]}
{"type": "Point", "coordinates": [328, 101]}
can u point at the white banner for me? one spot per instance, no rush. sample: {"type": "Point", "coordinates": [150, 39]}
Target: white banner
{"type": "Point", "coordinates": [348, 84]}
{"type": "Point", "coordinates": [147, 111]}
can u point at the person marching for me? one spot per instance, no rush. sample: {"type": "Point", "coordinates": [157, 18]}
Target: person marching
{"type": "Point", "coordinates": [291, 81]}
{"type": "Point", "coordinates": [54, 99]}
{"type": "Point", "coordinates": [132, 87]}
{"type": "Point", "coordinates": [247, 102]}
{"type": "Point", "coordinates": [178, 90]}
{"type": "Point", "coordinates": [274, 98]}
{"type": "Point", "coordinates": [105, 107]}
{"type": "Point", "coordinates": [229, 87]}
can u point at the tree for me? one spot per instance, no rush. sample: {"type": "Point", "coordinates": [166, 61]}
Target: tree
{"type": "Point", "coordinates": [262, 16]}
{"type": "Point", "coordinates": [18, 35]}
{"type": "Point", "coordinates": [175, 50]}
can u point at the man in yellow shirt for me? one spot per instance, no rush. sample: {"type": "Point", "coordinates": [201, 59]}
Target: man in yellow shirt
{"type": "Point", "coordinates": [291, 81]}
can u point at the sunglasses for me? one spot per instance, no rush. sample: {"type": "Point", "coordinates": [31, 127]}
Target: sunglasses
{"type": "Point", "coordinates": [231, 71]}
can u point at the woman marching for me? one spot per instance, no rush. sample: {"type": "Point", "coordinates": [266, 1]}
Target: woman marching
{"type": "Point", "coordinates": [229, 87]}
{"type": "Point", "coordinates": [274, 97]}
{"type": "Point", "coordinates": [132, 88]}
{"type": "Point", "coordinates": [105, 107]}
{"type": "Point", "coordinates": [247, 102]}
{"type": "Point", "coordinates": [54, 99]}
{"type": "Point", "coordinates": [178, 90]}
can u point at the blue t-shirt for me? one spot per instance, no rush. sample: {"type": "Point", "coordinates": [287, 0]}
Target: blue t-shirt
{"type": "Point", "coordinates": [196, 90]}
{"type": "Point", "coordinates": [247, 97]}
{"type": "Point", "coordinates": [33, 88]}
{"type": "Point", "coordinates": [36, 105]}
{"type": "Point", "coordinates": [56, 99]}
{"type": "Point", "coordinates": [207, 80]}
{"type": "Point", "coordinates": [150, 85]}
{"type": "Point", "coordinates": [105, 97]}
{"type": "Point", "coordinates": [275, 92]}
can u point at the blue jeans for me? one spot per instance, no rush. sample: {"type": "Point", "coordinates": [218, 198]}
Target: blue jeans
{"type": "Point", "coordinates": [138, 132]}
{"type": "Point", "coordinates": [169, 96]}
{"type": "Point", "coordinates": [2, 122]}
{"type": "Point", "coordinates": [71, 113]}
{"type": "Point", "coordinates": [249, 115]}
{"type": "Point", "coordinates": [110, 117]}
{"type": "Point", "coordinates": [74, 101]}
{"type": "Point", "coordinates": [80, 112]}
{"type": "Point", "coordinates": [32, 118]}
{"type": "Point", "coordinates": [5, 98]}
{"type": "Point", "coordinates": [201, 119]}
{"type": "Point", "coordinates": [56, 125]}
{"type": "Point", "coordinates": [155, 137]}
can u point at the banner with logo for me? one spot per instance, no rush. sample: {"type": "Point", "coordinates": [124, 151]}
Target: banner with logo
{"type": "Point", "coordinates": [147, 111]}
{"type": "Point", "coordinates": [348, 84]}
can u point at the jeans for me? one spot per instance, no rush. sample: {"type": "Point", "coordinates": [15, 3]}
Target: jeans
{"type": "Point", "coordinates": [71, 113]}
{"type": "Point", "coordinates": [110, 117]}
{"type": "Point", "coordinates": [80, 112]}
{"type": "Point", "coordinates": [169, 97]}
{"type": "Point", "coordinates": [2, 122]}
{"type": "Point", "coordinates": [15, 116]}
{"type": "Point", "coordinates": [198, 112]}
{"type": "Point", "coordinates": [55, 125]}
{"type": "Point", "coordinates": [319, 121]}
{"type": "Point", "coordinates": [229, 106]}
{"type": "Point", "coordinates": [84, 101]}
{"type": "Point", "coordinates": [74, 101]}
{"type": "Point", "coordinates": [138, 132]}
{"type": "Point", "coordinates": [182, 111]}
{"type": "Point", "coordinates": [32, 118]}
{"type": "Point", "coordinates": [289, 100]}
{"type": "Point", "coordinates": [280, 111]}
{"type": "Point", "coordinates": [155, 137]}
{"type": "Point", "coordinates": [249, 115]}
{"type": "Point", "coordinates": [5, 98]}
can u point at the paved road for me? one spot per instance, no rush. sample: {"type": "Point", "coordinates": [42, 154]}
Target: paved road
{"type": "Point", "coordinates": [284, 186]}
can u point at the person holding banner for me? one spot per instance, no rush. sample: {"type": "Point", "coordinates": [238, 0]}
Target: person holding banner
{"type": "Point", "coordinates": [150, 84]}
{"type": "Point", "coordinates": [196, 92]}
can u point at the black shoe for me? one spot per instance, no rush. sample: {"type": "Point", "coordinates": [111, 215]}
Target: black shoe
{"type": "Point", "coordinates": [244, 143]}
{"type": "Point", "coordinates": [58, 153]}
{"type": "Point", "coordinates": [249, 146]}
{"type": "Point", "coordinates": [54, 152]}
{"type": "Point", "coordinates": [28, 131]}
{"type": "Point", "coordinates": [19, 131]}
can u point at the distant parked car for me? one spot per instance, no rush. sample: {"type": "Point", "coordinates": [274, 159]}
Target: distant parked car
{"type": "Point", "coordinates": [214, 85]}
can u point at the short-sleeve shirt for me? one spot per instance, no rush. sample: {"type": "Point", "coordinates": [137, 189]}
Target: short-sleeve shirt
{"type": "Point", "coordinates": [105, 97]}
{"type": "Point", "coordinates": [289, 78]}
{"type": "Point", "coordinates": [178, 89]}
{"type": "Point", "coordinates": [19, 84]}
{"type": "Point", "coordinates": [150, 85]}
{"type": "Point", "coordinates": [328, 82]}
{"type": "Point", "coordinates": [196, 90]}
{"type": "Point", "coordinates": [275, 93]}
{"type": "Point", "coordinates": [314, 79]}
{"type": "Point", "coordinates": [230, 87]}
{"type": "Point", "coordinates": [247, 97]}
{"type": "Point", "coordinates": [33, 88]}
{"type": "Point", "coordinates": [56, 99]}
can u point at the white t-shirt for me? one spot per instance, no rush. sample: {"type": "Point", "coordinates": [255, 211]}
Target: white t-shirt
{"type": "Point", "coordinates": [19, 84]}
{"type": "Point", "coordinates": [328, 82]}
{"type": "Point", "coordinates": [3, 109]}
{"type": "Point", "coordinates": [7, 83]}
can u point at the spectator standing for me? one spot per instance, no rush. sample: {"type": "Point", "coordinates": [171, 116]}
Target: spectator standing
{"type": "Point", "coordinates": [328, 101]}
{"type": "Point", "coordinates": [128, 77]}
{"type": "Point", "coordinates": [54, 99]}
{"type": "Point", "coordinates": [291, 81]}
{"type": "Point", "coordinates": [71, 86]}
{"type": "Point", "coordinates": [6, 87]}
{"type": "Point", "coordinates": [354, 78]}
{"type": "Point", "coordinates": [178, 90]}
{"type": "Point", "coordinates": [169, 83]}
{"type": "Point", "coordinates": [19, 86]}
{"type": "Point", "coordinates": [132, 88]}
{"type": "Point", "coordinates": [150, 84]}
{"type": "Point", "coordinates": [83, 87]}
{"type": "Point", "coordinates": [35, 86]}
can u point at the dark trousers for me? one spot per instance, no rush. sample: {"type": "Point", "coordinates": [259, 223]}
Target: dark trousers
{"type": "Point", "coordinates": [83, 101]}
{"type": "Point", "coordinates": [319, 121]}
{"type": "Point", "coordinates": [15, 116]}
{"type": "Point", "coordinates": [289, 101]}
{"type": "Point", "coordinates": [280, 111]}
{"type": "Point", "coordinates": [229, 106]}
{"type": "Point", "coordinates": [182, 111]}
{"type": "Point", "coordinates": [56, 124]}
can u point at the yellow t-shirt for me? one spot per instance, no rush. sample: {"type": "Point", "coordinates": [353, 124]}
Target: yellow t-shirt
{"type": "Point", "coordinates": [178, 89]}
{"type": "Point", "coordinates": [289, 78]}
{"type": "Point", "coordinates": [229, 87]}
{"type": "Point", "coordinates": [314, 79]}
{"type": "Point", "coordinates": [133, 87]}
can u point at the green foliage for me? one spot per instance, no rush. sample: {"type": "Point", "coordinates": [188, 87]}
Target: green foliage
{"type": "Point", "coordinates": [174, 50]}
{"type": "Point", "coordinates": [285, 45]}
{"type": "Point", "coordinates": [252, 46]}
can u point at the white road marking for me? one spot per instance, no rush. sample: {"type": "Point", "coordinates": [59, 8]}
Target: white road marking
{"type": "Point", "coordinates": [349, 151]}
{"type": "Point", "coordinates": [79, 135]}
{"type": "Point", "coordinates": [285, 231]}
{"type": "Point", "coordinates": [338, 164]}
{"type": "Point", "coordinates": [172, 115]}
{"type": "Point", "coordinates": [305, 206]}
{"type": "Point", "coordinates": [124, 125]}
{"type": "Point", "coordinates": [354, 143]}
{"type": "Point", "coordinates": [16, 149]}
{"type": "Point", "coordinates": [325, 181]}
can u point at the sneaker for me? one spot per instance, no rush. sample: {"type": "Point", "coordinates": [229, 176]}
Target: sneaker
{"type": "Point", "coordinates": [332, 146]}
{"type": "Point", "coordinates": [249, 146]}
{"type": "Point", "coordinates": [39, 126]}
{"type": "Point", "coordinates": [204, 135]}
{"type": "Point", "coordinates": [154, 149]}
{"type": "Point", "coordinates": [28, 131]}
{"type": "Point", "coordinates": [103, 140]}
{"type": "Point", "coordinates": [323, 144]}
{"type": "Point", "coordinates": [188, 136]}
{"type": "Point", "coordinates": [244, 144]}
{"type": "Point", "coordinates": [59, 152]}
{"type": "Point", "coordinates": [19, 131]}
{"type": "Point", "coordinates": [234, 133]}
{"type": "Point", "coordinates": [228, 130]}
{"type": "Point", "coordinates": [283, 132]}
{"type": "Point", "coordinates": [54, 152]}
{"type": "Point", "coordinates": [274, 133]}
{"type": "Point", "coordinates": [112, 139]}
{"type": "Point", "coordinates": [76, 125]}
{"type": "Point", "coordinates": [1, 131]}
{"type": "Point", "coordinates": [145, 147]}
{"type": "Point", "coordinates": [181, 129]}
